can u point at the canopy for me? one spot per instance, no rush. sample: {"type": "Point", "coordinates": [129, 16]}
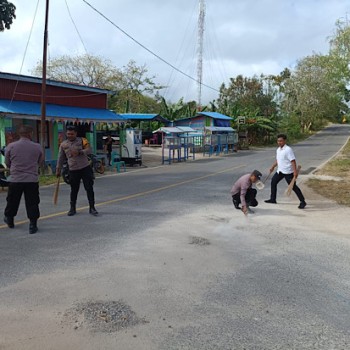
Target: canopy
{"type": "Point", "coordinates": [219, 128]}
{"type": "Point", "coordinates": [145, 117]}
{"type": "Point", "coordinates": [175, 130]}
{"type": "Point", "coordinates": [32, 110]}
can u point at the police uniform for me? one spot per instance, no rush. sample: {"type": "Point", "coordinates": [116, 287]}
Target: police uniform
{"type": "Point", "coordinates": [79, 169]}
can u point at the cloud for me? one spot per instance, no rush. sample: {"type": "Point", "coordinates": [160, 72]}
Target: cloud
{"type": "Point", "coordinates": [240, 37]}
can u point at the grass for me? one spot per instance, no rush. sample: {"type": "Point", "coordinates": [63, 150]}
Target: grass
{"type": "Point", "coordinates": [339, 191]}
{"type": "Point", "coordinates": [47, 180]}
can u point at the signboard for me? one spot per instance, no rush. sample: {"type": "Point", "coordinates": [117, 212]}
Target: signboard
{"type": "Point", "coordinates": [241, 120]}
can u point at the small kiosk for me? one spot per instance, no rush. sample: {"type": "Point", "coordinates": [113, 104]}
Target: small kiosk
{"type": "Point", "coordinates": [219, 139]}
{"type": "Point", "coordinates": [177, 143]}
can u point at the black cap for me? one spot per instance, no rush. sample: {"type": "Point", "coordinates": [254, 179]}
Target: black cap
{"type": "Point", "coordinates": [257, 174]}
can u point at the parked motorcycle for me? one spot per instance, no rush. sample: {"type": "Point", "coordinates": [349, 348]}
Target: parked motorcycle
{"type": "Point", "coordinates": [3, 170]}
{"type": "Point", "coordinates": [96, 165]}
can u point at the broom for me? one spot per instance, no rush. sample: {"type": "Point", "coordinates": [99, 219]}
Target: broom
{"type": "Point", "coordinates": [55, 194]}
{"type": "Point", "coordinates": [291, 185]}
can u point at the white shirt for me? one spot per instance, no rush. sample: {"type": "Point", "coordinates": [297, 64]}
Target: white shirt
{"type": "Point", "coordinates": [284, 157]}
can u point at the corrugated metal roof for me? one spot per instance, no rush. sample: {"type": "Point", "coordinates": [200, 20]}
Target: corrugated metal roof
{"type": "Point", "coordinates": [214, 115]}
{"type": "Point", "coordinates": [219, 128]}
{"type": "Point", "coordinates": [36, 80]}
{"type": "Point", "coordinates": [144, 117]}
{"type": "Point", "coordinates": [175, 130]}
{"type": "Point", "coordinates": [32, 110]}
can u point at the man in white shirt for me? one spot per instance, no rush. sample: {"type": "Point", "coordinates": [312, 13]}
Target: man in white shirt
{"type": "Point", "coordinates": [286, 168]}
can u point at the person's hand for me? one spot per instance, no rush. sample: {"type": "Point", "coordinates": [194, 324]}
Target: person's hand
{"type": "Point", "coordinates": [74, 152]}
{"type": "Point", "coordinates": [245, 209]}
{"type": "Point", "coordinates": [272, 169]}
{"type": "Point", "coordinates": [58, 172]}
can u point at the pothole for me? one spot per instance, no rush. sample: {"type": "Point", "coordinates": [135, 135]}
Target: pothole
{"type": "Point", "coordinates": [103, 316]}
{"type": "Point", "coordinates": [199, 240]}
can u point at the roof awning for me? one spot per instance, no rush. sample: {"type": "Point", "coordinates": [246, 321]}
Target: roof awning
{"type": "Point", "coordinates": [145, 117]}
{"type": "Point", "coordinates": [214, 115]}
{"type": "Point", "coordinates": [219, 128]}
{"type": "Point", "coordinates": [32, 110]}
{"type": "Point", "coordinates": [175, 130]}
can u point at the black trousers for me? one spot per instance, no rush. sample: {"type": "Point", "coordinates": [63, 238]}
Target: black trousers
{"type": "Point", "coordinates": [250, 197]}
{"type": "Point", "coordinates": [87, 176]}
{"type": "Point", "coordinates": [109, 156]}
{"type": "Point", "coordinates": [31, 198]}
{"type": "Point", "coordinates": [276, 178]}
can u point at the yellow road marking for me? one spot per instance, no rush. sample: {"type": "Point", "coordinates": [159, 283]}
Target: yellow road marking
{"type": "Point", "coordinates": [49, 216]}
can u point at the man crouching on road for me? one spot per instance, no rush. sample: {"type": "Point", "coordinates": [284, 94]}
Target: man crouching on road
{"type": "Point", "coordinates": [75, 150]}
{"type": "Point", "coordinates": [242, 192]}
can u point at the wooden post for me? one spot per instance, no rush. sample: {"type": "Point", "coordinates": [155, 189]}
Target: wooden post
{"type": "Point", "coordinates": [43, 88]}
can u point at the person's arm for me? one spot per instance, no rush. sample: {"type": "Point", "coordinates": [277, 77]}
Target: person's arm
{"type": "Point", "coordinates": [61, 159]}
{"type": "Point", "coordinates": [86, 147]}
{"type": "Point", "coordinates": [273, 166]}
{"type": "Point", "coordinates": [41, 157]}
{"type": "Point", "coordinates": [243, 192]}
{"type": "Point", "coordinates": [295, 168]}
{"type": "Point", "coordinates": [7, 157]}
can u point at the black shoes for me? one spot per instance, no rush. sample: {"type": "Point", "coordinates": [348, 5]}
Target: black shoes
{"type": "Point", "coordinates": [9, 221]}
{"type": "Point", "coordinates": [33, 228]}
{"type": "Point", "coordinates": [270, 201]}
{"type": "Point", "coordinates": [72, 210]}
{"type": "Point", "coordinates": [302, 205]}
{"type": "Point", "coordinates": [93, 211]}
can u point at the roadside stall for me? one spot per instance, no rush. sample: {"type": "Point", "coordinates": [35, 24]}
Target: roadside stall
{"type": "Point", "coordinates": [219, 139]}
{"type": "Point", "coordinates": [177, 143]}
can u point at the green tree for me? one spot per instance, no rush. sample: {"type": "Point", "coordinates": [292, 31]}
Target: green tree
{"type": "Point", "coordinates": [134, 85]}
{"type": "Point", "coordinates": [172, 111]}
{"type": "Point", "coordinates": [246, 96]}
{"type": "Point", "coordinates": [84, 69]}
{"type": "Point", "coordinates": [315, 92]}
{"type": "Point", "coordinates": [7, 14]}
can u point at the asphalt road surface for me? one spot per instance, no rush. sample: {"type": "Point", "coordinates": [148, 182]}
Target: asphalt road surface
{"type": "Point", "coordinates": [170, 264]}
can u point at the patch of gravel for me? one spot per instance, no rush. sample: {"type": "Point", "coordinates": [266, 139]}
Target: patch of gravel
{"type": "Point", "coordinates": [102, 316]}
{"type": "Point", "coordinates": [199, 240]}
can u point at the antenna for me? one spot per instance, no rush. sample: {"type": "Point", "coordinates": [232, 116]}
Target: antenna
{"type": "Point", "coordinates": [200, 51]}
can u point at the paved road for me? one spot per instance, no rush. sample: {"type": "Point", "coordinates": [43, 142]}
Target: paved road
{"type": "Point", "coordinates": [185, 269]}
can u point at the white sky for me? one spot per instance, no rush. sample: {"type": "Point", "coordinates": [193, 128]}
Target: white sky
{"type": "Point", "coordinates": [241, 37]}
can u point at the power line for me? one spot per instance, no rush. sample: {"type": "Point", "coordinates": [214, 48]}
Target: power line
{"type": "Point", "coordinates": [26, 49]}
{"type": "Point", "coordinates": [147, 49]}
{"type": "Point", "coordinates": [76, 28]}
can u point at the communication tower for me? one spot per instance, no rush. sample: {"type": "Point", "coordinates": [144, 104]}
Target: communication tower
{"type": "Point", "coordinates": [201, 19]}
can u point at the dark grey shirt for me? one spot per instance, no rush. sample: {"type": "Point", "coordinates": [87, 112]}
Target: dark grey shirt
{"type": "Point", "coordinates": [74, 162]}
{"type": "Point", "coordinates": [241, 186]}
{"type": "Point", "coordinates": [24, 157]}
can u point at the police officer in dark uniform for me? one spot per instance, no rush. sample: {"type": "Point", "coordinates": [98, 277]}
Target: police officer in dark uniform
{"type": "Point", "coordinates": [23, 157]}
{"type": "Point", "coordinates": [75, 150]}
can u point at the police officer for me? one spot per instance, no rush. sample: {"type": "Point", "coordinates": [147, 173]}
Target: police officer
{"type": "Point", "coordinates": [23, 157]}
{"type": "Point", "coordinates": [75, 151]}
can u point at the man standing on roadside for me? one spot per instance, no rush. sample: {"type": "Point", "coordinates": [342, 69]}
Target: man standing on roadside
{"type": "Point", "coordinates": [286, 168]}
{"type": "Point", "coordinates": [75, 150]}
{"type": "Point", "coordinates": [23, 157]}
{"type": "Point", "coordinates": [108, 148]}
{"type": "Point", "coordinates": [242, 192]}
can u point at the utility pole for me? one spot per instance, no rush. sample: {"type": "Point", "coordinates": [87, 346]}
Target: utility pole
{"type": "Point", "coordinates": [200, 51]}
{"type": "Point", "coordinates": [43, 85]}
